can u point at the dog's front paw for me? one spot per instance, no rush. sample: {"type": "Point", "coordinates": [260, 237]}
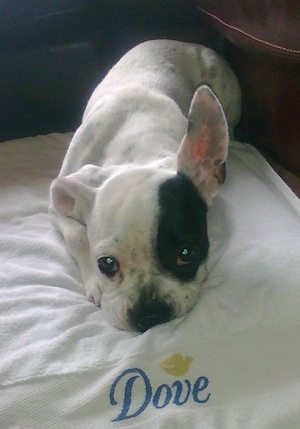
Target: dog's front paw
{"type": "Point", "coordinates": [93, 290]}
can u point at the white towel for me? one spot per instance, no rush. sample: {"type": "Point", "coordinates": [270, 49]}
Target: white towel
{"type": "Point", "coordinates": [233, 362]}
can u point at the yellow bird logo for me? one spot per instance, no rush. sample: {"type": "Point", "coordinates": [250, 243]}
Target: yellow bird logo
{"type": "Point", "coordinates": [176, 364]}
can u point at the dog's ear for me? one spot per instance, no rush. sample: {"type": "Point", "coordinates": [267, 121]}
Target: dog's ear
{"type": "Point", "coordinates": [74, 195]}
{"type": "Point", "coordinates": [71, 197]}
{"type": "Point", "coordinates": [203, 150]}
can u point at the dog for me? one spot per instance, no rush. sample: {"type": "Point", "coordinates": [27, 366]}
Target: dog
{"type": "Point", "coordinates": [141, 170]}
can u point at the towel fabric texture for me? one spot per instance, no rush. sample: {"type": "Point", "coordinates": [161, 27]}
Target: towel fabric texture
{"type": "Point", "coordinates": [232, 363]}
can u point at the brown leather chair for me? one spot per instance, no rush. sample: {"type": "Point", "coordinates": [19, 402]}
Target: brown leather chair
{"type": "Point", "coordinates": [263, 47]}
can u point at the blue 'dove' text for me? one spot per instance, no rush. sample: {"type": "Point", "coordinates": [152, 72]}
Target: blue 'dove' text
{"type": "Point", "coordinates": [131, 406]}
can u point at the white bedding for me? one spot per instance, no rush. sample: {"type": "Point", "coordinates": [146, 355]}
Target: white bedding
{"type": "Point", "coordinates": [233, 363]}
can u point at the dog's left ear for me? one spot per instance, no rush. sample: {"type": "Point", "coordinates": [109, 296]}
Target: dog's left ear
{"type": "Point", "coordinates": [71, 197]}
{"type": "Point", "coordinates": [203, 150]}
{"type": "Point", "coordinates": [74, 195]}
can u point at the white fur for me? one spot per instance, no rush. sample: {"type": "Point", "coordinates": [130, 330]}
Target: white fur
{"type": "Point", "coordinates": [133, 137]}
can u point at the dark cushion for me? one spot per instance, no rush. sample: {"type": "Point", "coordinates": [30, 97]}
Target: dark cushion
{"type": "Point", "coordinates": [54, 52]}
{"type": "Point", "coordinates": [264, 51]}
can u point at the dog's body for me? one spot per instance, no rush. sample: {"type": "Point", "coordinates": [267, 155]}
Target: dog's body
{"type": "Point", "coordinates": [132, 195]}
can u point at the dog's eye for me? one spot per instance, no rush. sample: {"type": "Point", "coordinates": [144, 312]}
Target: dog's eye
{"type": "Point", "coordinates": [108, 266]}
{"type": "Point", "coordinates": [187, 255]}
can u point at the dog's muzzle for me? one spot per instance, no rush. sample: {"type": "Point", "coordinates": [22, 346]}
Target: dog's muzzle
{"type": "Point", "coordinates": [147, 313]}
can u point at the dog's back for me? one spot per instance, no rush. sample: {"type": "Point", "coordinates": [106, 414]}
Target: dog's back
{"type": "Point", "coordinates": [175, 69]}
{"type": "Point", "coordinates": [138, 112]}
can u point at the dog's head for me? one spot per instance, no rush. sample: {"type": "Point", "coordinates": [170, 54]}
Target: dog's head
{"type": "Point", "coordinates": [147, 225]}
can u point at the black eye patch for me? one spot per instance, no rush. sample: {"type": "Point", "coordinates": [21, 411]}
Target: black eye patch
{"type": "Point", "coordinates": [182, 228]}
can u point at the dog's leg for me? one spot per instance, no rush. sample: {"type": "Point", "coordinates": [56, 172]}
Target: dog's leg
{"type": "Point", "coordinates": [77, 244]}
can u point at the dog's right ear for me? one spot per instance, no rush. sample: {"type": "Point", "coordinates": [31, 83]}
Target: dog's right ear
{"type": "Point", "coordinates": [203, 150]}
{"type": "Point", "coordinates": [71, 197]}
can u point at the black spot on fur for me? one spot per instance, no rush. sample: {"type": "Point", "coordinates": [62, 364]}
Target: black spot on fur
{"type": "Point", "coordinates": [182, 223]}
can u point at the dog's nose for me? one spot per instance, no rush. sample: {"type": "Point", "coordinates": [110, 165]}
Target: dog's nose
{"type": "Point", "coordinates": [143, 317]}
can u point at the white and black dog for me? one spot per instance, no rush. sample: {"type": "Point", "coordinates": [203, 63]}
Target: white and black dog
{"type": "Point", "coordinates": [132, 194]}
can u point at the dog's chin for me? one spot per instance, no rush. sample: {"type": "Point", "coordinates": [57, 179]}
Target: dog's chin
{"type": "Point", "coordinates": [137, 318]}
{"type": "Point", "coordinates": [140, 326]}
